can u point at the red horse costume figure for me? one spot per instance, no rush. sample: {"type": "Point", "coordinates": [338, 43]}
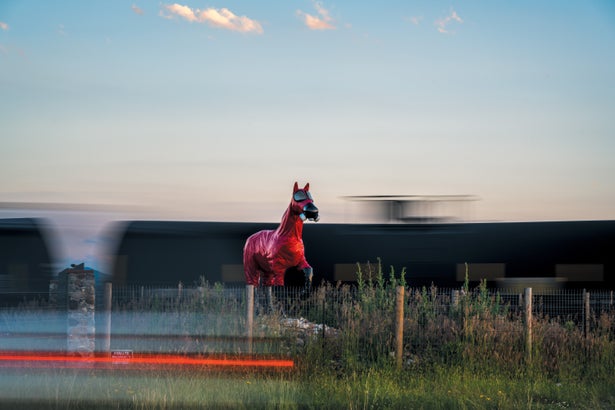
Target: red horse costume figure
{"type": "Point", "coordinates": [268, 254]}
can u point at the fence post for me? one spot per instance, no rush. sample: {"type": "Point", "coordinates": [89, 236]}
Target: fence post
{"type": "Point", "coordinates": [250, 314]}
{"type": "Point", "coordinates": [399, 325]}
{"type": "Point", "coordinates": [455, 298]}
{"type": "Point", "coordinates": [528, 323]}
{"type": "Point", "coordinates": [586, 313]}
{"type": "Point", "coordinates": [107, 320]}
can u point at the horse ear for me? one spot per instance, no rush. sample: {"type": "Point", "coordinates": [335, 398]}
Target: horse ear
{"type": "Point", "coordinates": [296, 187]}
{"type": "Point", "coordinates": [307, 187]}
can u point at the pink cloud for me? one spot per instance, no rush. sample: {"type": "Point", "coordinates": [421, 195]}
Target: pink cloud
{"type": "Point", "coordinates": [322, 21]}
{"type": "Point", "coordinates": [220, 18]}
{"type": "Point", "coordinates": [4, 26]}
{"type": "Point", "coordinates": [137, 9]}
{"type": "Point", "coordinates": [442, 24]}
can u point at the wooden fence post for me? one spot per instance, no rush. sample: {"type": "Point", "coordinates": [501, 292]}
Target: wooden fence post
{"type": "Point", "coordinates": [528, 324]}
{"type": "Point", "coordinates": [250, 315]}
{"type": "Point", "coordinates": [106, 347]}
{"type": "Point", "coordinates": [399, 325]}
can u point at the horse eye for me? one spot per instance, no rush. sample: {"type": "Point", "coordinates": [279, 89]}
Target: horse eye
{"type": "Point", "coordinates": [302, 196]}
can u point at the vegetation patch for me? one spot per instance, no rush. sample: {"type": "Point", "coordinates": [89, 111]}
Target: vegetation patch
{"type": "Point", "coordinates": [462, 348]}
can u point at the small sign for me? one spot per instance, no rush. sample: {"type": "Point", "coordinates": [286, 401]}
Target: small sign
{"type": "Point", "coordinates": [121, 356]}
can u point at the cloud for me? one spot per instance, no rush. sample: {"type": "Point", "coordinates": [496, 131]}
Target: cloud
{"type": "Point", "coordinates": [416, 20]}
{"type": "Point", "coordinates": [4, 26]}
{"type": "Point", "coordinates": [442, 24]}
{"type": "Point", "coordinates": [137, 9]}
{"type": "Point", "coordinates": [220, 18]}
{"type": "Point", "coordinates": [321, 22]}
{"type": "Point", "coordinates": [184, 12]}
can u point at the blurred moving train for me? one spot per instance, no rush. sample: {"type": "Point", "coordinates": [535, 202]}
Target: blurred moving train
{"type": "Point", "coordinates": [25, 258]}
{"type": "Point", "coordinates": [572, 254]}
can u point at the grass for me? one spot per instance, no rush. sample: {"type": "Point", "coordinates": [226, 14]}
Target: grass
{"type": "Point", "coordinates": [377, 387]}
{"type": "Point", "coordinates": [461, 351]}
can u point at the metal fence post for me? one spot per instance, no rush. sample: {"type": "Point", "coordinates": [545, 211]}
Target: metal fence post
{"type": "Point", "coordinates": [528, 324]}
{"type": "Point", "coordinates": [586, 313]}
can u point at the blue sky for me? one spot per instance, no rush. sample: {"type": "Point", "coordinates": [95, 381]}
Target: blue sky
{"type": "Point", "coordinates": [210, 110]}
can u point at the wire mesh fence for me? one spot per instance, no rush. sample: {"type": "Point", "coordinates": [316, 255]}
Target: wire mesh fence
{"type": "Point", "coordinates": [439, 324]}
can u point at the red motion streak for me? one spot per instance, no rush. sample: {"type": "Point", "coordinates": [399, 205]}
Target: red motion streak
{"type": "Point", "coordinates": [159, 360]}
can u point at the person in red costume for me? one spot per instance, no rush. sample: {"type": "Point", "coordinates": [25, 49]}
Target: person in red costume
{"type": "Point", "coordinates": [268, 254]}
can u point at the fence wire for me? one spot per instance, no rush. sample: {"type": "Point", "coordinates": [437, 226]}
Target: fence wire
{"type": "Point", "coordinates": [439, 323]}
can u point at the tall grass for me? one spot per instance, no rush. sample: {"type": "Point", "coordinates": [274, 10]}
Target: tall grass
{"type": "Point", "coordinates": [475, 329]}
{"type": "Point", "coordinates": [463, 348]}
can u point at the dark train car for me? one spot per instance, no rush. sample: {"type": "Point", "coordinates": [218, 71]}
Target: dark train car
{"type": "Point", "coordinates": [169, 252]}
{"type": "Point", "coordinates": [25, 260]}
{"type": "Point", "coordinates": [576, 254]}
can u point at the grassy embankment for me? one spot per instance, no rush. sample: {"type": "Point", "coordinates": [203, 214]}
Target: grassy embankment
{"type": "Point", "coordinates": [470, 354]}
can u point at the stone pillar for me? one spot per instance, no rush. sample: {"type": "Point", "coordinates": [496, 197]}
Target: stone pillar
{"type": "Point", "coordinates": [81, 325]}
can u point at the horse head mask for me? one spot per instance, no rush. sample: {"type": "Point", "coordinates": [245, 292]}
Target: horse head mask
{"type": "Point", "coordinates": [303, 203]}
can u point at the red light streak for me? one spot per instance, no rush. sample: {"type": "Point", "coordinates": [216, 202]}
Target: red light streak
{"type": "Point", "coordinates": [142, 359]}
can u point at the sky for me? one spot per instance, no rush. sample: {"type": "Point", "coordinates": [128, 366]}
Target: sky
{"type": "Point", "coordinates": [211, 110]}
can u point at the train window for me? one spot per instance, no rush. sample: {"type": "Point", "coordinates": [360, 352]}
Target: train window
{"type": "Point", "coordinates": [232, 273]}
{"type": "Point", "coordinates": [580, 272]}
{"type": "Point", "coordinates": [347, 272]}
{"type": "Point", "coordinates": [480, 271]}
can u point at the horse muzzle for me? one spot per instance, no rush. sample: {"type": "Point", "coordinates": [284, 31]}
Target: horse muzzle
{"type": "Point", "coordinates": [310, 212]}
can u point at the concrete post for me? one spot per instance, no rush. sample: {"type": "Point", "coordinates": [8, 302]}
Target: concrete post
{"type": "Point", "coordinates": [81, 324]}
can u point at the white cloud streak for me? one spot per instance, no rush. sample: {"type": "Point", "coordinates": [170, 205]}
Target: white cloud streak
{"type": "Point", "coordinates": [138, 10]}
{"type": "Point", "coordinates": [219, 18]}
{"type": "Point", "coordinates": [442, 24]}
{"type": "Point", "coordinates": [322, 21]}
{"type": "Point", "coordinates": [4, 26]}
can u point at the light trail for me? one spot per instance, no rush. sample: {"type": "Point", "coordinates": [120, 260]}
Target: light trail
{"type": "Point", "coordinates": [20, 359]}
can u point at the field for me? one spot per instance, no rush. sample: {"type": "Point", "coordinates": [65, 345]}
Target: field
{"type": "Point", "coordinates": [463, 351]}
